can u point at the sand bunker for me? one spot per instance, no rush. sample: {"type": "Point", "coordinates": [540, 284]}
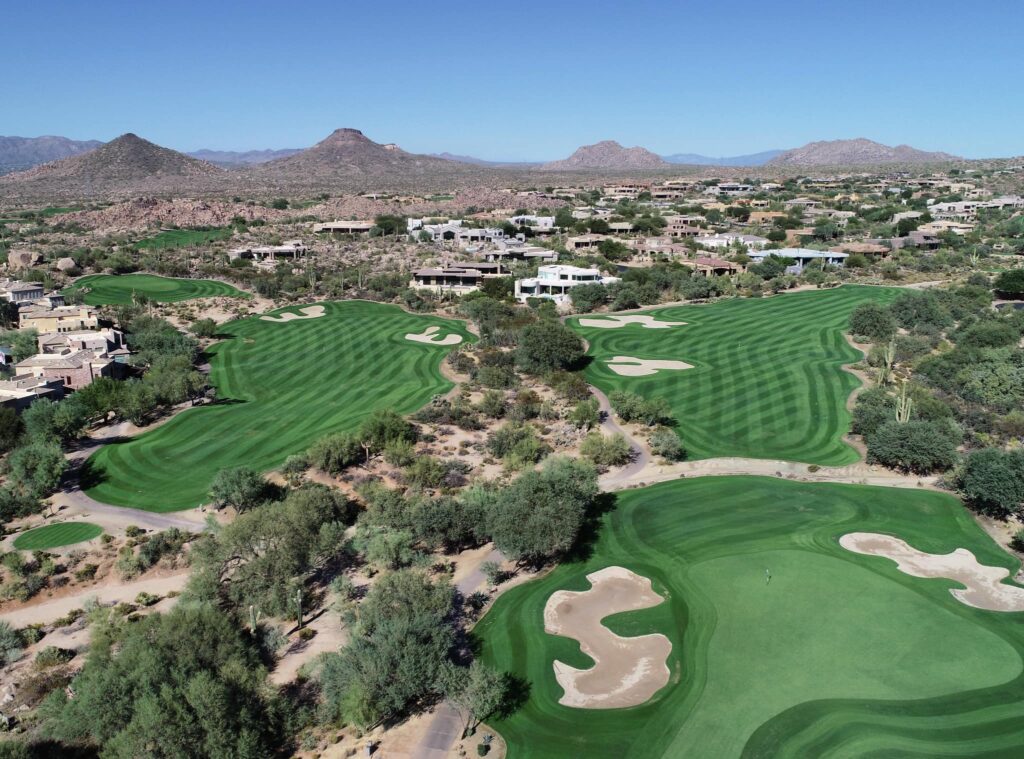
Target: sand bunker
{"type": "Point", "coordinates": [306, 312]}
{"type": "Point", "coordinates": [627, 366]}
{"type": "Point", "coordinates": [614, 322]}
{"type": "Point", "coordinates": [984, 586]}
{"type": "Point", "coordinates": [626, 671]}
{"type": "Point", "coordinates": [429, 335]}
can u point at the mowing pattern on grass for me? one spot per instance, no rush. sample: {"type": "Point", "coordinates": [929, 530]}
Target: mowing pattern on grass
{"type": "Point", "coordinates": [57, 535]}
{"type": "Point", "coordinates": [767, 380]}
{"type": "Point", "coordinates": [183, 238]}
{"type": "Point", "coordinates": [839, 654]}
{"type": "Point", "coordinates": [279, 388]}
{"type": "Point", "coordinates": [109, 289]}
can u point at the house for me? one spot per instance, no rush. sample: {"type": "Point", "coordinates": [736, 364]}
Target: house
{"type": "Point", "coordinates": [458, 278]}
{"type": "Point", "coordinates": [765, 217]}
{"type": "Point", "coordinates": [621, 227]}
{"type": "Point", "coordinates": [727, 239]}
{"type": "Point", "coordinates": [109, 341]}
{"type": "Point", "coordinates": [732, 189]}
{"type": "Point", "coordinates": [540, 225]}
{"type": "Point", "coordinates": [19, 391]}
{"type": "Point", "coordinates": [58, 319]}
{"type": "Point", "coordinates": [76, 368]}
{"type": "Point", "coordinates": [711, 266]}
{"type": "Point", "coordinates": [287, 249]}
{"type": "Point", "coordinates": [555, 282]}
{"type": "Point", "coordinates": [944, 225]}
{"type": "Point", "coordinates": [14, 291]}
{"type": "Point", "coordinates": [863, 248]}
{"type": "Point", "coordinates": [517, 249]}
{"type": "Point", "coordinates": [585, 242]}
{"type": "Point", "coordinates": [352, 227]}
{"type": "Point", "coordinates": [801, 257]}
{"type": "Point", "coordinates": [655, 248]}
{"type": "Point", "coordinates": [684, 226]}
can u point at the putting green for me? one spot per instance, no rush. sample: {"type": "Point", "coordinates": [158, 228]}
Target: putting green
{"type": "Point", "coordinates": [839, 654]}
{"type": "Point", "coordinates": [57, 535]}
{"type": "Point", "coordinates": [767, 378]}
{"type": "Point", "coordinates": [117, 289]}
{"type": "Point", "coordinates": [280, 386]}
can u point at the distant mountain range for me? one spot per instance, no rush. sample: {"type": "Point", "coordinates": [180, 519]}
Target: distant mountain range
{"type": "Point", "coordinates": [232, 158]}
{"type": "Point", "coordinates": [695, 159]}
{"type": "Point", "coordinates": [607, 154]}
{"type": "Point", "coordinates": [858, 152]}
{"type": "Point", "coordinates": [20, 153]}
{"type": "Point", "coordinates": [481, 162]}
{"type": "Point", "coordinates": [347, 160]}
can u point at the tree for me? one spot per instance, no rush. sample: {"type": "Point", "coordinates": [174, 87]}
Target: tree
{"type": "Point", "coordinates": [1010, 284]}
{"type": "Point", "coordinates": [34, 470]}
{"type": "Point", "coordinates": [239, 487]}
{"type": "Point", "coordinates": [540, 514]}
{"type": "Point", "coordinates": [11, 429]}
{"type": "Point", "coordinates": [992, 481]}
{"type": "Point", "coordinates": [588, 297]}
{"type": "Point", "coordinates": [477, 692]}
{"type": "Point", "coordinates": [398, 652]}
{"type": "Point", "coordinates": [632, 407]}
{"type": "Point", "coordinates": [547, 346]}
{"type": "Point", "coordinates": [666, 443]}
{"type": "Point", "coordinates": [610, 450]}
{"type": "Point", "coordinates": [261, 557]}
{"type": "Point", "coordinates": [917, 446]}
{"type": "Point", "coordinates": [391, 224]}
{"type": "Point", "coordinates": [188, 683]}
{"type": "Point", "coordinates": [383, 427]}
{"type": "Point", "coordinates": [873, 321]}
{"type": "Point", "coordinates": [586, 414]}
{"type": "Point", "coordinates": [335, 453]}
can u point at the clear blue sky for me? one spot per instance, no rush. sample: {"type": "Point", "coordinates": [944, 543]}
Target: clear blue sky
{"type": "Point", "coordinates": [525, 80]}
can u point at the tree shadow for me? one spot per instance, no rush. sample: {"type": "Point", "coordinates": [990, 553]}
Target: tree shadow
{"type": "Point", "coordinates": [90, 476]}
{"type": "Point", "coordinates": [589, 533]}
{"type": "Point", "coordinates": [517, 693]}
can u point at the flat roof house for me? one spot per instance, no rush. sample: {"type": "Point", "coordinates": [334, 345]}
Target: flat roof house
{"type": "Point", "coordinates": [20, 292]}
{"type": "Point", "coordinates": [458, 278]}
{"type": "Point", "coordinates": [555, 282]}
{"type": "Point", "coordinates": [59, 319]}
{"type": "Point", "coordinates": [19, 391]}
{"type": "Point", "coordinates": [352, 227]}
{"type": "Point", "coordinates": [802, 257]}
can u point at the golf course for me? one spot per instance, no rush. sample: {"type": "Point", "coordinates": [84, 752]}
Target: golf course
{"type": "Point", "coordinates": [765, 377]}
{"type": "Point", "coordinates": [57, 535]}
{"type": "Point", "coordinates": [282, 381]}
{"type": "Point", "coordinates": [118, 289]}
{"type": "Point", "coordinates": [783, 642]}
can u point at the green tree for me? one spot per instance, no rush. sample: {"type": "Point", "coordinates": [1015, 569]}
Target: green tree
{"type": "Point", "coordinates": [917, 446]}
{"type": "Point", "coordinates": [873, 321]}
{"type": "Point", "coordinates": [188, 683]}
{"type": "Point", "coordinates": [992, 481]}
{"type": "Point", "coordinates": [547, 346]}
{"type": "Point", "coordinates": [606, 450]}
{"type": "Point", "coordinates": [477, 692]}
{"type": "Point", "coordinates": [239, 488]}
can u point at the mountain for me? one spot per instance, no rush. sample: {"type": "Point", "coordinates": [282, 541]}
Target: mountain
{"type": "Point", "coordinates": [607, 155]}
{"type": "Point", "coordinates": [349, 159]}
{"type": "Point", "coordinates": [128, 164]}
{"type": "Point", "coordinates": [481, 162]}
{"type": "Point", "coordinates": [21, 153]}
{"type": "Point", "coordinates": [232, 158]}
{"type": "Point", "coordinates": [855, 152]}
{"type": "Point", "coordinates": [695, 159]}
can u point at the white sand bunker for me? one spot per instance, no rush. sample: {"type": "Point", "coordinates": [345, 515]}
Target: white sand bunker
{"type": "Point", "coordinates": [627, 366]}
{"type": "Point", "coordinates": [626, 671]}
{"type": "Point", "coordinates": [306, 312]}
{"type": "Point", "coordinates": [429, 335]}
{"type": "Point", "coordinates": [614, 322]}
{"type": "Point", "coordinates": [984, 586]}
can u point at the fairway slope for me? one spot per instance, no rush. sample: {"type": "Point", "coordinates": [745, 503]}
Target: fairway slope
{"type": "Point", "coordinates": [783, 643]}
{"type": "Point", "coordinates": [764, 377]}
{"type": "Point", "coordinates": [112, 290]}
{"type": "Point", "coordinates": [280, 386]}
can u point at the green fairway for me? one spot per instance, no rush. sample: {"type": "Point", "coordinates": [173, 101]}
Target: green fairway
{"type": "Point", "coordinates": [57, 535]}
{"type": "Point", "coordinates": [839, 655]}
{"type": "Point", "coordinates": [767, 378]}
{"type": "Point", "coordinates": [111, 289]}
{"type": "Point", "coordinates": [183, 238]}
{"type": "Point", "coordinates": [280, 386]}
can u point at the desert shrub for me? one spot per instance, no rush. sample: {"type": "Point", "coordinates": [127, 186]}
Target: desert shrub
{"type": "Point", "coordinates": [666, 443]}
{"type": "Point", "coordinates": [610, 450]}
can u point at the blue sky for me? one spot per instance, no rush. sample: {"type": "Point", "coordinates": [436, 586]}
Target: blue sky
{"type": "Point", "coordinates": [529, 80]}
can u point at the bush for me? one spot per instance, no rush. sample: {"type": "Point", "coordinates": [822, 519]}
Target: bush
{"type": "Point", "coordinates": [548, 346]}
{"type": "Point", "coordinates": [52, 656]}
{"type": "Point", "coordinates": [611, 450]}
{"type": "Point", "coordinates": [1017, 541]}
{"type": "Point", "coordinates": [917, 446]}
{"type": "Point", "coordinates": [666, 443]}
{"type": "Point", "coordinates": [632, 407]}
{"type": "Point", "coordinates": [992, 481]}
{"type": "Point", "coordinates": [873, 321]}
{"type": "Point", "coordinates": [11, 644]}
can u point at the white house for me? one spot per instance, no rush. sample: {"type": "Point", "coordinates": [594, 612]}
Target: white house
{"type": "Point", "coordinates": [802, 257]}
{"type": "Point", "coordinates": [726, 239]}
{"type": "Point", "coordinates": [555, 282]}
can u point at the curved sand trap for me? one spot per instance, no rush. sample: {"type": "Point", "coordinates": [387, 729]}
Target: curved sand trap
{"type": "Point", "coordinates": [306, 312]}
{"type": "Point", "coordinates": [626, 671]}
{"type": "Point", "coordinates": [984, 587]}
{"type": "Point", "coordinates": [429, 335]}
{"type": "Point", "coordinates": [614, 322]}
{"type": "Point", "coordinates": [627, 366]}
